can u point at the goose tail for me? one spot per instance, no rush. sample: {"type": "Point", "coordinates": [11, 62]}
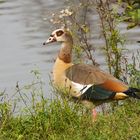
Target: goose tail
{"type": "Point", "coordinates": [133, 92]}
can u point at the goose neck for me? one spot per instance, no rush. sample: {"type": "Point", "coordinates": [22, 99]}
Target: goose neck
{"type": "Point", "coordinates": [65, 53]}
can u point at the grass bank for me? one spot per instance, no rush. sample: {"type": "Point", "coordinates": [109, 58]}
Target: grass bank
{"type": "Point", "coordinates": [61, 119]}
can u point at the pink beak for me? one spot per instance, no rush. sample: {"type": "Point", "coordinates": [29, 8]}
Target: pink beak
{"type": "Point", "coordinates": [50, 40]}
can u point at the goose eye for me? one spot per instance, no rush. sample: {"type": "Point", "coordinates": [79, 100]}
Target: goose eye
{"type": "Point", "coordinates": [59, 33]}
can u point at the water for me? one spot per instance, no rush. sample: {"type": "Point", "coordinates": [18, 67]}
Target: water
{"type": "Point", "coordinates": [24, 26]}
{"type": "Point", "coordinates": [22, 32]}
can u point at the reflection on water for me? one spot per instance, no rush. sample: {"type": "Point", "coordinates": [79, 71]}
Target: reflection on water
{"type": "Point", "coordinates": [23, 29]}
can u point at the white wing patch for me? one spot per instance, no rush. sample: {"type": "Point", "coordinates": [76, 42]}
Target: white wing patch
{"type": "Point", "coordinates": [81, 88]}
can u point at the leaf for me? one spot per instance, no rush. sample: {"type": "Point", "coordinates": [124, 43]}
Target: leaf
{"type": "Point", "coordinates": [85, 28]}
{"type": "Point", "coordinates": [2, 1]}
{"type": "Point", "coordinates": [131, 25]}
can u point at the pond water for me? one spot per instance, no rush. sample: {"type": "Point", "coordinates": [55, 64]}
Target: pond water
{"type": "Point", "coordinates": [22, 32]}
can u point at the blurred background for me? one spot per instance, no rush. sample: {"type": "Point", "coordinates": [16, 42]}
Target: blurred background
{"type": "Point", "coordinates": [25, 25]}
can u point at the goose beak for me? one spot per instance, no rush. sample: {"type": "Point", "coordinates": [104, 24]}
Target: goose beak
{"type": "Point", "coordinates": [50, 40]}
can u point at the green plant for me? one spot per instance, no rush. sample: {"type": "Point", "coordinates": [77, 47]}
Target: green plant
{"type": "Point", "coordinates": [59, 118]}
{"type": "Point", "coordinates": [132, 13]}
{"type": "Point", "coordinates": [113, 40]}
{"type": "Point", "coordinates": [133, 70]}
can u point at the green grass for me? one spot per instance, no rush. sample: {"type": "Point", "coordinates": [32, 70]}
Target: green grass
{"type": "Point", "coordinates": [61, 119]}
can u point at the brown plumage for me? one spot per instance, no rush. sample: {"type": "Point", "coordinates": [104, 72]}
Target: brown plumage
{"type": "Point", "coordinates": [89, 74]}
{"type": "Point", "coordinates": [87, 82]}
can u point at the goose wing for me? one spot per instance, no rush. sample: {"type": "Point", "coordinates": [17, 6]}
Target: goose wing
{"type": "Point", "coordinates": [104, 84]}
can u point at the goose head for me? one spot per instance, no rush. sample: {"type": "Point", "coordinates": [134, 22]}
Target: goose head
{"type": "Point", "coordinates": [59, 35]}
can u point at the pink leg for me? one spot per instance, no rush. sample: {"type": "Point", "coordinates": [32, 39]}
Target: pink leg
{"type": "Point", "coordinates": [94, 115]}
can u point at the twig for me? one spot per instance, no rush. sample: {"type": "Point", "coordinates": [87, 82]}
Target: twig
{"type": "Point", "coordinates": [18, 91]}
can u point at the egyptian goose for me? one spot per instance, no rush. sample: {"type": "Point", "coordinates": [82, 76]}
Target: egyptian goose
{"type": "Point", "coordinates": [86, 82]}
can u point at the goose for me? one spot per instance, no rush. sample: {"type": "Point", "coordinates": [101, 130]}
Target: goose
{"type": "Point", "coordinates": [91, 85]}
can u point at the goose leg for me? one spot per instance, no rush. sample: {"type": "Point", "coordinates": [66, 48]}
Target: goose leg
{"type": "Point", "coordinates": [94, 115]}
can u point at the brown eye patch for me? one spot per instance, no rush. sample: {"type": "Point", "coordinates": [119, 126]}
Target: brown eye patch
{"type": "Point", "coordinates": [51, 35]}
{"type": "Point", "coordinates": [59, 33]}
